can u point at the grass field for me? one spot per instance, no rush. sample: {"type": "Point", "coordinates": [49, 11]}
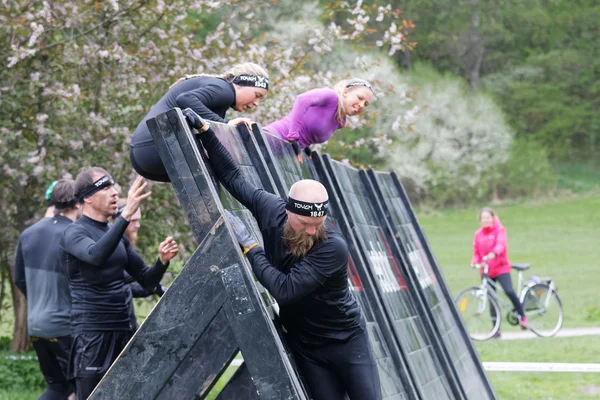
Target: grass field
{"type": "Point", "coordinates": [559, 239]}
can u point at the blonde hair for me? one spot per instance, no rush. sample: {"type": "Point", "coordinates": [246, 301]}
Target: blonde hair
{"type": "Point", "coordinates": [238, 69]}
{"type": "Point", "coordinates": [350, 84]}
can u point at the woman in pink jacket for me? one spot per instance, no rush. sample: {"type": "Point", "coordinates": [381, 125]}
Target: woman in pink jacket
{"type": "Point", "coordinates": [490, 245]}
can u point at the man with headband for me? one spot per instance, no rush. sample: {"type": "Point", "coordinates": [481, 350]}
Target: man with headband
{"type": "Point", "coordinates": [96, 256]}
{"type": "Point", "coordinates": [43, 280]}
{"type": "Point", "coordinates": [304, 265]}
{"type": "Point", "coordinates": [242, 87]}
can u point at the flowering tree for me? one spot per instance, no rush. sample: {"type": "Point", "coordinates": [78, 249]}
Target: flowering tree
{"type": "Point", "coordinates": [458, 142]}
{"type": "Point", "coordinates": [78, 76]}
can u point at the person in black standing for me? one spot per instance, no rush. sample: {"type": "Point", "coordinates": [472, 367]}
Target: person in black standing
{"type": "Point", "coordinates": [43, 280]}
{"type": "Point", "coordinates": [97, 256]}
{"type": "Point", "coordinates": [304, 265]}
{"type": "Point", "coordinates": [242, 87]}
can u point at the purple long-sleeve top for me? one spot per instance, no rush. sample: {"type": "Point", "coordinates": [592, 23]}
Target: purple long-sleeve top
{"type": "Point", "coordinates": [312, 120]}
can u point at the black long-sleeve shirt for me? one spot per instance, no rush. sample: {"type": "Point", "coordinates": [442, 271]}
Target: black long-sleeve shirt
{"type": "Point", "coordinates": [42, 279]}
{"type": "Point", "coordinates": [209, 97]}
{"type": "Point", "coordinates": [312, 291]}
{"type": "Point", "coordinates": [96, 256]}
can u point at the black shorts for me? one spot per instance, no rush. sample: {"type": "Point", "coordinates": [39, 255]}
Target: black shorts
{"type": "Point", "coordinates": [53, 356]}
{"type": "Point", "coordinates": [338, 369]}
{"type": "Point", "coordinates": [92, 354]}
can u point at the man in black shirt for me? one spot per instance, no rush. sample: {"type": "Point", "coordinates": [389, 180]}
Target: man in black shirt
{"type": "Point", "coordinates": [97, 256]}
{"type": "Point", "coordinates": [43, 280]}
{"type": "Point", "coordinates": [304, 265]}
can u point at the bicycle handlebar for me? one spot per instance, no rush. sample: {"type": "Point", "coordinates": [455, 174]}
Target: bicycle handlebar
{"type": "Point", "coordinates": [480, 265]}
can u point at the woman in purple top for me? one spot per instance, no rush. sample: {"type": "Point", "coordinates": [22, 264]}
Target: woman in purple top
{"type": "Point", "coordinates": [318, 113]}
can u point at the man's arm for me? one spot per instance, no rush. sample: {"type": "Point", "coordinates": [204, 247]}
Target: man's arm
{"type": "Point", "coordinates": [136, 289]}
{"type": "Point", "coordinates": [305, 276]}
{"type": "Point", "coordinates": [202, 98]}
{"type": "Point", "coordinates": [260, 202]}
{"type": "Point", "coordinates": [19, 275]}
{"type": "Point", "coordinates": [81, 246]}
{"type": "Point", "coordinates": [147, 277]}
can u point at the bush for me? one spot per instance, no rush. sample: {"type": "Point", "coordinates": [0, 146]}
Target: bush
{"type": "Point", "coordinates": [19, 372]}
{"type": "Point", "coordinates": [527, 172]}
{"type": "Point", "coordinates": [458, 140]}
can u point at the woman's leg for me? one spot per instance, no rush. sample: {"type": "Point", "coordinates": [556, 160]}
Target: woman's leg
{"type": "Point", "coordinates": [147, 162]}
{"type": "Point", "coordinates": [506, 282]}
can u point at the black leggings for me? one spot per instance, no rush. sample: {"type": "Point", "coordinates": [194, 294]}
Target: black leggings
{"type": "Point", "coordinates": [146, 162]}
{"type": "Point", "coordinates": [335, 370]}
{"type": "Point", "coordinates": [506, 283]}
{"type": "Point", "coordinates": [53, 355]}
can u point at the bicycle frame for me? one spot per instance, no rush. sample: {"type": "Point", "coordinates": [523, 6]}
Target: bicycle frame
{"type": "Point", "coordinates": [504, 304]}
{"type": "Point", "coordinates": [524, 288]}
{"type": "Point", "coordinates": [546, 302]}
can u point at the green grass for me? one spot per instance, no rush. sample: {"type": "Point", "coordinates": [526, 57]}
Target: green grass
{"type": "Point", "coordinates": [559, 239]}
{"type": "Point", "coordinates": [567, 350]}
{"type": "Point", "coordinates": [18, 395]}
{"type": "Point", "coordinates": [544, 386]}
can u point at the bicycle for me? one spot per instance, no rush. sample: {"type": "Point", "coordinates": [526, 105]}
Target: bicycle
{"type": "Point", "coordinates": [481, 307]}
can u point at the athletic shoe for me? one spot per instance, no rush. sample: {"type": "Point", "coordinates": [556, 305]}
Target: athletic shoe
{"type": "Point", "coordinates": [497, 335]}
{"type": "Point", "coordinates": [523, 323]}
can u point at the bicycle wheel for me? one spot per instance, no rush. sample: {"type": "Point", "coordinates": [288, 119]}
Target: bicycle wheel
{"type": "Point", "coordinates": [543, 309]}
{"type": "Point", "coordinates": [480, 312]}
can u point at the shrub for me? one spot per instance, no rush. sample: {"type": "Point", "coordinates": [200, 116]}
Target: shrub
{"type": "Point", "coordinates": [19, 371]}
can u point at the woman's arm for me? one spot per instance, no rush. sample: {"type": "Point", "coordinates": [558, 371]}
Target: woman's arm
{"type": "Point", "coordinates": [476, 259]}
{"type": "Point", "coordinates": [203, 99]}
{"type": "Point", "coordinates": [304, 101]}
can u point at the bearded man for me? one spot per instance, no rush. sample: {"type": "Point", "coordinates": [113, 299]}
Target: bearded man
{"type": "Point", "coordinates": [304, 265]}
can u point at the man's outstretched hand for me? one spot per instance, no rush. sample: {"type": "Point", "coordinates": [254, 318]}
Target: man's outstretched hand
{"type": "Point", "coordinates": [135, 197]}
{"type": "Point", "coordinates": [195, 120]}
{"type": "Point", "coordinates": [167, 250]}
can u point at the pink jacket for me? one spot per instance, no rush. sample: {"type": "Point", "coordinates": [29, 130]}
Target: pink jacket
{"type": "Point", "coordinates": [492, 239]}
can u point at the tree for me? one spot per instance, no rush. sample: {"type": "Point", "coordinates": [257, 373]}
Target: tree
{"type": "Point", "coordinates": [458, 143]}
{"type": "Point", "coordinates": [539, 59]}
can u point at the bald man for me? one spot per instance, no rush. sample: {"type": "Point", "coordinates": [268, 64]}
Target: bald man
{"type": "Point", "coordinates": [304, 265]}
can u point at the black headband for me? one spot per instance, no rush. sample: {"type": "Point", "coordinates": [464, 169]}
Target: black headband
{"type": "Point", "coordinates": [65, 206]}
{"type": "Point", "coordinates": [95, 187]}
{"type": "Point", "coordinates": [252, 80]}
{"type": "Point", "coordinates": [307, 209]}
{"type": "Point", "coordinates": [359, 83]}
